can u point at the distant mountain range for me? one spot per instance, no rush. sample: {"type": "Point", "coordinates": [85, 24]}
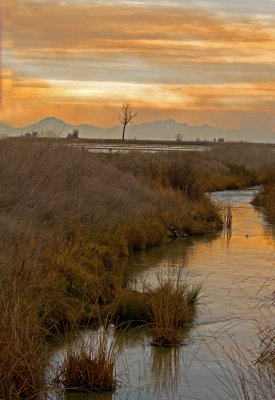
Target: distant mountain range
{"type": "Point", "coordinates": [155, 130]}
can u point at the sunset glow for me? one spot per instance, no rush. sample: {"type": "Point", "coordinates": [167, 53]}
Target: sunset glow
{"type": "Point", "coordinates": [198, 62]}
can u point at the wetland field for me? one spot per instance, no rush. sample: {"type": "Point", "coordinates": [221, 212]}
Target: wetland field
{"type": "Point", "coordinates": [136, 274]}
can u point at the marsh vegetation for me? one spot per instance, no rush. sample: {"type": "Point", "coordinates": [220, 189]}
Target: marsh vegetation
{"type": "Point", "coordinates": [69, 217]}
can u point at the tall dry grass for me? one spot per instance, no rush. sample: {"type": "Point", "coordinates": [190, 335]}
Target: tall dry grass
{"type": "Point", "coordinates": [226, 166]}
{"type": "Point", "coordinates": [167, 307]}
{"type": "Point", "coordinates": [60, 188]}
{"type": "Point", "coordinates": [23, 355]}
{"type": "Point", "coordinates": [90, 366]}
{"type": "Point", "coordinates": [266, 195]}
{"type": "Point", "coordinates": [65, 220]}
{"type": "Point", "coordinates": [171, 306]}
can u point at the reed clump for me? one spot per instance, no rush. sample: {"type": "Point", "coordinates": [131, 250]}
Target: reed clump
{"type": "Point", "coordinates": [91, 366]}
{"type": "Point", "coordinates": [171, 307]}
{"type": "Point", "coordinates": [168, 307]}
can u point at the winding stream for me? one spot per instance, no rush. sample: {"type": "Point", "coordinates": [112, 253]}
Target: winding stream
{"type": "Point", "coordinates": [237, 272]}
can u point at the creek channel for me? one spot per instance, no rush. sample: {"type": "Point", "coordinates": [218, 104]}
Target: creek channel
{"type": "Point", "coordinates": [236, 269]}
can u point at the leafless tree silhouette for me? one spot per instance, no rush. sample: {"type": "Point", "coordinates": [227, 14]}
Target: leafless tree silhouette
{"type": "Point", "coordinates": [126, 116]}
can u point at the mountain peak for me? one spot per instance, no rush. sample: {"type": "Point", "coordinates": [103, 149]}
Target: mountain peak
{"type": "Point", "coordinates": [51, 120]}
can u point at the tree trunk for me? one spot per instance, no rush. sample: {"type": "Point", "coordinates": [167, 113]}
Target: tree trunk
{"type": "Point", "coordinates": [123, 133]}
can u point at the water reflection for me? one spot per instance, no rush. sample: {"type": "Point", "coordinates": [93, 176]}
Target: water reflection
{"type": "Point", "coordinates": [88, 396]}
{"type": "Point", "coordinates": [167, 370]}
{"type": "Point", "coordinates": [127, 336]}
{"type": "Point", "coordinates": [146, 267]}
{"type": "Point", "coordinates": [270, 233]}
{"type": "Point", "coordinates": [227, 235]}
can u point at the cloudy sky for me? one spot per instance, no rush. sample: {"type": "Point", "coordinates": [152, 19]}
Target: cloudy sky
{"type": "Point", "coordinates": [207, 61]}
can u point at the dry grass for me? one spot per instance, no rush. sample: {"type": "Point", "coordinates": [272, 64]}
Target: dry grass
{"type": "Point", "coordinates": [267, 346]}
{"type": "Point", "coordinates": [23, 356]}
{"type": "Point", "coordinates": [245, 380]}
{"type": "Point", "coordinates": [171, 307]}
{"type": "Point", "coordinates": [240, 372]}
{"type": "Point", "coordinates": [55, 239]}
{"type": "Point", "coordinates": [56, 258]}
{"type": "Point", "coordinates": [246, 157]}
{"type": "Point", "coordinates": [91, 366]}
{"type": "Point", "coordinates": [131, 307]}
{"type": "Point", "coordinates": [167, 307]}
{"type": "Point", "coordinates": [266, 195]}
{"type": "Point", "coordinates": [226, 166]}
{"type": "Point", "coordinates": [66, 218]}
{"type": "Point", "coordinates": [58, 187]}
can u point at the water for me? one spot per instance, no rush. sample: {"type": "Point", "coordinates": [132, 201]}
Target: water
{"type": "Point", "coordinates": [147, 148]}
{"type": "Point", "coordinates": [237, 272]}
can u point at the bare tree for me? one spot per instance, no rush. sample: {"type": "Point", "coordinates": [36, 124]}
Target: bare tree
{"type": "Point", "coordinates": [179, 137]}
{"type": "Point", "coordinates": [126, 116]}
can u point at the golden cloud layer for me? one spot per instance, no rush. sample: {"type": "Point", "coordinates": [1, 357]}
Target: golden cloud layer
{"type": "Point", "coordinates": [99, 102]}
{"type": "Point", "coordinates": [78, 24]}
{"type": "Point", "coordinates": [173, 60]}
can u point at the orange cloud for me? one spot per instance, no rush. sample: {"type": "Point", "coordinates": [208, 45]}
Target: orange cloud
{"type": "Point", "coordinates": [79, 23]}
{"type": "Point", "coordinates": [99, 102]}
{"type": "Point", "coordinates": [168, 61]}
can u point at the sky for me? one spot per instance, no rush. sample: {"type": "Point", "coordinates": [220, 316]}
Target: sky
{"type": "Point", "coordinates": [200, 62]}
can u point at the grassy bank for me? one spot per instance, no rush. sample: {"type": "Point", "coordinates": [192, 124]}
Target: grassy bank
{"type": "Point", "coordinates": [226, 166]}
{"type": "Point", "coordinates": [67, 217]}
